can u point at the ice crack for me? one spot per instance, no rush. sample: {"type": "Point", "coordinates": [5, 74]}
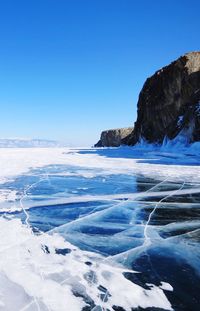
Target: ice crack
{"type": "Point", "coordinates": [147, 239]}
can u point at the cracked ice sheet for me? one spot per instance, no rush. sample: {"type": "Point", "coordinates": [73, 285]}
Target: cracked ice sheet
{"type": "Point", "coordinates": [32, 274]}
{"type": "Point", "coordinates": [38, 275]}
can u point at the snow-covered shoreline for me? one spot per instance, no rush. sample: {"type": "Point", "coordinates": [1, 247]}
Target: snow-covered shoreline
{"type": "Point", "coordinates": [17, 161]}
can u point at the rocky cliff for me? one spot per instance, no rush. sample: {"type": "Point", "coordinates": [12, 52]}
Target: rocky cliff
{"type": "Point", "coordinates": [114, 138]}
{"type": "Point", "coordinates": [169, 103]}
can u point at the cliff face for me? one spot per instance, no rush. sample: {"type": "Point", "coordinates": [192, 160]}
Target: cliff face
{"type": "Point", "coordinates": [169, 102]}
{"type": "Point", "coordinates": [114, 138]}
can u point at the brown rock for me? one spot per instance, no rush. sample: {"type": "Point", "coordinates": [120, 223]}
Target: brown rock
{"type": "Point", "coordinates": [169, 102]}
{"type": "Point", "coordinates": [114, 138]}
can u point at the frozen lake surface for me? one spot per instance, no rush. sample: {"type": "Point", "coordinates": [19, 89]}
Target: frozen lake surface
{"type": "Point", "coordinates": [108, 229]}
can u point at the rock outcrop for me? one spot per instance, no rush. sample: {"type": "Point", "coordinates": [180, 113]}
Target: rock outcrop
{"type": "Point", "coordinates": [169, 103]}
{"type": "Point", "coordinates": [114, 138]}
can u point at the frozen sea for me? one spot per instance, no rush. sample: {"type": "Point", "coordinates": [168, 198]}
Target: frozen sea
{"type": "Point", "coordinates": [100, 229]}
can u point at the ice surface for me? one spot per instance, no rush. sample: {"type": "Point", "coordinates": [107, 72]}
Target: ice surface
{"type": "Point", "coordinates": [100, 229]}
{"type": "Point", "coordinates": [45, 279]}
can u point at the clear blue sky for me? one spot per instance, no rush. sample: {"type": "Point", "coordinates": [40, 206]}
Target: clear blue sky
{"type": "Point", "coordinates": [71, 68]}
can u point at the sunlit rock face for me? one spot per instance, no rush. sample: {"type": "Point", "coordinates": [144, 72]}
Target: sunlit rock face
{"type": "Point", "coordinates": [114, 138]}
{"type": "Point", "coordinates": [169, 103]}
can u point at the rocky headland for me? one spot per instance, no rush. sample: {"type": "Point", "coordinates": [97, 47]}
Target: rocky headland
{"type": "Point", "coordinates": [114, 137]}
{"type": "Point", "coordinates": [169, 104]}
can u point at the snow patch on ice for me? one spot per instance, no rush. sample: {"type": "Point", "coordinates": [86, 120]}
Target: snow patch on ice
{"type": "Point", "coordinates": [8, 195]}
{"type": "Point", "coordinates": [166, 286]}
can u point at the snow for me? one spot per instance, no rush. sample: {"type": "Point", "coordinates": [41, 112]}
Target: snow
{"type": "Point", "coordinates": [180, 120]}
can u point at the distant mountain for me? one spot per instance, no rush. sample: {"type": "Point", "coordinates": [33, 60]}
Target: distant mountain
{"type": "Point", "coordinates": [27, 143]}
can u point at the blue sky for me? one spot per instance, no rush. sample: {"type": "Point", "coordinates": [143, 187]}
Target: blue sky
{"type": "Point", "coordinates": [71, 68]}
